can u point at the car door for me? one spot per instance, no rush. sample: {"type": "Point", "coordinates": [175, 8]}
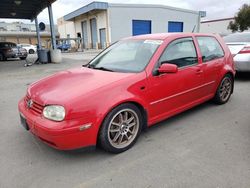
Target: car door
{"type": "Point", "coordinates": [173, 92]}
{"type": "Point", "coordinates": [212, 59]}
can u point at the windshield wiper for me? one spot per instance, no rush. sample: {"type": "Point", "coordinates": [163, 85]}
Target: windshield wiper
{"type": "Point", "coordinates": [102, 68]}
{"type": "Point", "coordinates": [86, 65]}
{"type": "Point", "coordinates": [98, 68]}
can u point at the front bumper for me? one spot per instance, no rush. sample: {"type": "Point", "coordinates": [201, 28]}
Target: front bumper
{"type": "Point", "coordinates": [15, 55]}
{"type": "Point", "coordinates": [65, 135]}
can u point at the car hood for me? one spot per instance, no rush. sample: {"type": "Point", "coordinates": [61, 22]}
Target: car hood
{"type": "Point", "coordinates": [65, 86]}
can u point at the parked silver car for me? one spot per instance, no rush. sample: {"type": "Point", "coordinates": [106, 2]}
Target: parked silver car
{"type": "Point", "coordinates": [239, 45]}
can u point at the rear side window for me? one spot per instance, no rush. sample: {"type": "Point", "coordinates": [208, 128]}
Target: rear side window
{"type": "Point", "coordinates": [210, 48]}
{"type": "Point", "coordinates": [180, 52]}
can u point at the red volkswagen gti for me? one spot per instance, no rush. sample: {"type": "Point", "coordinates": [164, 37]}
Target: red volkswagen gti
{"type": "Point", "coordinates": [133, 84]}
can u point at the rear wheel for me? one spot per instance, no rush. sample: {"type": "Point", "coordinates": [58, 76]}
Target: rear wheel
{"type": "Point", "coordinates": [121, 128]}
{"type": "Point", "coordinates": [224, 90]}
{"type": "Point", "coordinates": [1, 57]}
{"type": "Point", "coordinates": [31, 51]}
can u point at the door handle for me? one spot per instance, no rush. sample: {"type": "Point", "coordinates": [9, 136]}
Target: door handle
{"type": "Point", "coordinates": [199, 71]}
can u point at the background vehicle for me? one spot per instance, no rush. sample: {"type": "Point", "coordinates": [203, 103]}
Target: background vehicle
{"type": "Point", "coordinates": [64, 46]}
{"type": "Point", "coordinates": [133, 84]}
{"type": "Point", "coordinates": [239, 45]}
{"type": "Point", "coordinates": [10, 50]}
{"type": "Point", "coordinates": [31, 49]}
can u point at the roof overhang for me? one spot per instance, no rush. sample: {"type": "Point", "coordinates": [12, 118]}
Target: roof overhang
{"type": "Point", "coordinates": [24, 34]}
{"type": "Point", "coordinates": [88, 8]}
{"type": "Point", "coordinates": [22, 9]}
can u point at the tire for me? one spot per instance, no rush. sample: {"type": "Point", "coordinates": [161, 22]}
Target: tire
{"type": "Point", "coordinates": [2, 58]}
{"type": "Point", "coordinates": [121, 128]}
{"type": "Point", "coordinates": [224, 90]}
{"type": "Point", "coordinates": [23, 58]}
{"type": "Point", "coordinates": [31, 51]}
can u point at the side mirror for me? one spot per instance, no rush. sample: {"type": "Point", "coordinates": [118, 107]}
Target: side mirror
{"type": "Point", "coordinates": [168, 68]}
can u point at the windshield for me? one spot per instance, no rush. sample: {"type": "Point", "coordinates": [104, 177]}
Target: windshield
{"type": "Point", "coordinates": [237, 37]}
{"type": "Point", "coordinates": [126, 56]}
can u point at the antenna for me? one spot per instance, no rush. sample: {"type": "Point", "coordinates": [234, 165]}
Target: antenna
{"type": "Point", "coordinates": [193, 29]}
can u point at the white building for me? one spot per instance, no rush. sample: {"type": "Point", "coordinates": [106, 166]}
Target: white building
{"type": "Point", "coordinates": [218, 26]}
{"type": "Point", "coordinates": [19, 32]}
{"type": "Point", "coordinates": [100, 24]}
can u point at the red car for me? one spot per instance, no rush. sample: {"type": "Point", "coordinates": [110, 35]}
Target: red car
{"type": "Point", "coordinates": [131, 85]}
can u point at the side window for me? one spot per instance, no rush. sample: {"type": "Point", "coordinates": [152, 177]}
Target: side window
{"type": "Point", "coordinates": [180, 52]}
{"type": "Point", "coordinates": [210, 48]}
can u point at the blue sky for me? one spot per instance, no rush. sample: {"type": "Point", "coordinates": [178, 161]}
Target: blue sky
{"type": "Point", "coordinates": [215, 9]}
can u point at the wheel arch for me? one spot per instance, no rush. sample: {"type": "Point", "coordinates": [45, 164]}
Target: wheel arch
{"type": "Point", "coordinates": [227, 70]}
{"type": "Point", "coordinates": [143, 112]}
{"type": "Point", "coordinates": [232, 76]}
{"type": "Point", "coordinates": [139, 105]}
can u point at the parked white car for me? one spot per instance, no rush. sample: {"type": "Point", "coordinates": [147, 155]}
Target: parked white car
{"type": "Point", "coordinates": [239, 45]}
{"type": "Point", "coordinates": [31, 49]}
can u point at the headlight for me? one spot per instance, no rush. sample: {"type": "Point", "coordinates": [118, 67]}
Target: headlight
{"type": "Point", "coordinates": [54, 112]}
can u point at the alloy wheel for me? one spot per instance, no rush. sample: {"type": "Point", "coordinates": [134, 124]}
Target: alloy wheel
{"type": "Point", "coordinates": [225, 89]}
{"type": "Point", "coordinates": [123, 128]}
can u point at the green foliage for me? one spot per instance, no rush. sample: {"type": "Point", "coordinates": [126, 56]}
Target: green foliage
{"type": "Point", "coordinates": [241, 20]}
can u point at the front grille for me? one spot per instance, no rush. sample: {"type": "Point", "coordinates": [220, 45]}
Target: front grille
{"type": "Point", "coordinates": [35, 107]}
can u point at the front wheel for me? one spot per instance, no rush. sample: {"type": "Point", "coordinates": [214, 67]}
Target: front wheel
{"type": "Point", "coordinates": [121, 128]}
{"type": "Point", "coordinates": [224, 90]}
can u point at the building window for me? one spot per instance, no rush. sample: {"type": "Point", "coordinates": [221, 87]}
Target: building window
{"type": "Point", "coordinates": [175, 27]}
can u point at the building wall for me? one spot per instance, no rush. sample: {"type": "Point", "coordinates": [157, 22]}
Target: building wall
{"type": "Point", "coordinates": [121, 16]}
{"type": "Point", "coordinates": [117, 20]}
{"type": "Point", "coordinates": [19, 26]}
{"type": "Point", "coordinates": [216, 26]}
{"type": "Point", "coordinates": [71, 28]}
{"type": "Point", "coordinates": [19, 32]}
{"type": "Point", "coordinates": [101, 23]}
{"type": "Point", "coordinates": [65, 28]}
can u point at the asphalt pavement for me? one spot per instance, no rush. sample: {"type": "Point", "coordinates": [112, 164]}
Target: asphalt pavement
{"type": "Point", "coordinates": [207, 146]}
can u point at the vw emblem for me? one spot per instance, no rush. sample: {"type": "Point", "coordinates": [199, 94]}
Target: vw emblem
{"type": "Point", "coordinates": [29, 103]}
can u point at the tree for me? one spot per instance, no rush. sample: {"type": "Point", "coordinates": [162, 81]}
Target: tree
{"type": "Point", "coordinates": [241, 19]}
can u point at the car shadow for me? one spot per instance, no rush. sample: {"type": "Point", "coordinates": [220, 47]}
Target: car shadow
{"type": "Point", "coordinates": [176, 118]}
{"type": "Point", "coordinates": [161, 126]}
{"type": "Point", "coordinates": [242, 76]}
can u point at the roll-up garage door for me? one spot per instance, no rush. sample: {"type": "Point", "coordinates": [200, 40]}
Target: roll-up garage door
{"type": "Point", "coordinates": [93, 28]}
{"type": "Point", "coordinates": [85, 34]}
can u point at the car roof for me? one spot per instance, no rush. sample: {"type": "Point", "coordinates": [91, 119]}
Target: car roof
{"type": "Point", "coordinates": [240, 33]}
{"type": "Point", "coordinates": [7, 43]}
{"type": "Point", "coordinates": [163, 36]}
